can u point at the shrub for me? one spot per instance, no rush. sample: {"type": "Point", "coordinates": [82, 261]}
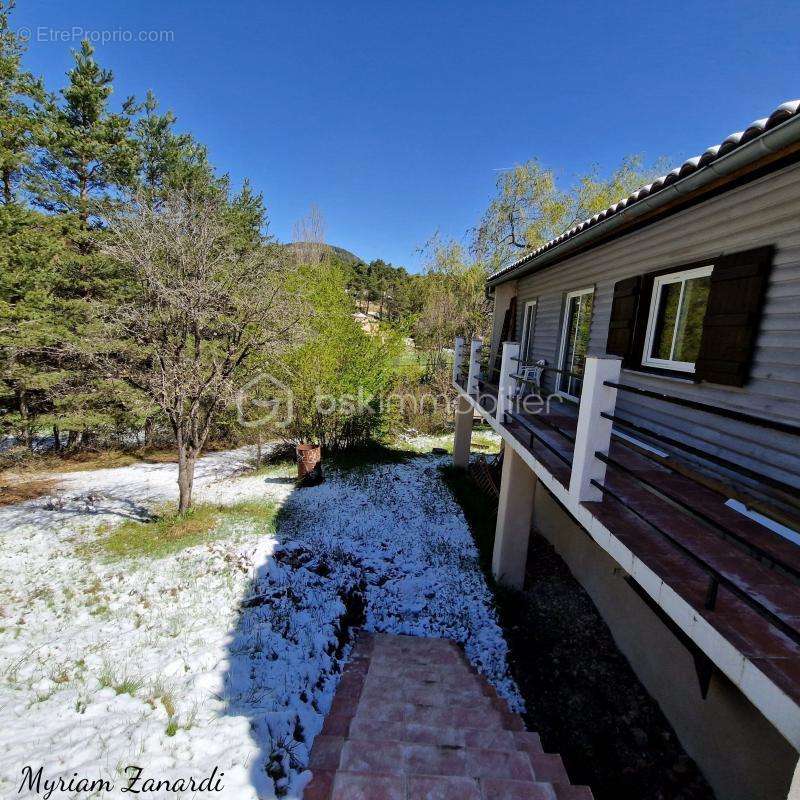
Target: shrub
{"type": "Point", "coordinates": [338, 377]}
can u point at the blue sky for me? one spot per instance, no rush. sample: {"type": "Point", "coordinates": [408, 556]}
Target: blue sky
{"type": "Point", "coordinates": [395, 117]}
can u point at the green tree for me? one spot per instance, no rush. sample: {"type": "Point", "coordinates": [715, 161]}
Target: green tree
{"type": "Point", "coordinates": [32, 327]}
{"type": "Point", "coordinates": [339, 375]}
{"type": "Point", "coordinates": [166, 159]}
{"type": "Point", "coordinates": [454, 301]}
{"type": "Point", "coordinates": [202, 306]}
{"type": "Point", "coordinates": [88, 151]}
{"type": "Point", "coordinates": [21, 98]}
{"type": "Point", "coordinates": [530, 207]}
{"type": "Point", "coordinates": [86, 159]}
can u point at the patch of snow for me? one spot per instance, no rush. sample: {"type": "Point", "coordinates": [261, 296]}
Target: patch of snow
{"type": "Point", "coordinates": [226, 654]}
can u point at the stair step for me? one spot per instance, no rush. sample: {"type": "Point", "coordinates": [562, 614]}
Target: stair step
{"type": "Point", "coordinates": [411, 719]}
{"type": "Point", "coordinates": [349, 786]}
{"type": "Point", "coordinates": [402, 758]}
{"type": "Point", "coordinates": [438, 716]}
{"type": "Point", "coordinates": [548, 767]}
{"type": "Point", "coordinates": [504, 789]}
{"type": "Point", "coordinates": [528, 741]}
{"type": "Point", "coordinates": [425, 696]}
{"type": "Point", "coordinates": [565, 791]}
{"type": "Point", "coordinates": [357, 786]}
{"type": "Point", "coordinates": [487, 739]}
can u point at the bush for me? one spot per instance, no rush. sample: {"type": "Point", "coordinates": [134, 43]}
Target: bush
{"type": "Point", "coordinates": [423, 403]}
{"type": "Point", "coordinates": [338, 378]}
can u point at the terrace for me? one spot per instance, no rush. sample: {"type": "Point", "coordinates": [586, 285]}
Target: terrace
{"type": "Point", "coordinates": [723, 581]}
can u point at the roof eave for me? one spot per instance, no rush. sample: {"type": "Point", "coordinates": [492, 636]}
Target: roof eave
{"type": "Point", "coordinates": [769, 143]}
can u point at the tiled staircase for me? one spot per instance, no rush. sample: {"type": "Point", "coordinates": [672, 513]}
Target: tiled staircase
{"type": "Point", "coordinates": [411, 720]}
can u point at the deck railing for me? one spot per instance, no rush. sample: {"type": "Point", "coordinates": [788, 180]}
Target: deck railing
{"type": "Point", "coordinates": [590, 460]}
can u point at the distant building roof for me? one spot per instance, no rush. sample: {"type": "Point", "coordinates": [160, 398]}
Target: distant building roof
{"type": "Point", "coordinates": [782, 114]}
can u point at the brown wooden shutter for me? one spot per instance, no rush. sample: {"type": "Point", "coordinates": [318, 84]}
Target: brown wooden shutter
{"type": "Point", "coordinates": [622, 325]}
{"type": "Point", "coordinates": [730, 327]}
{"type": "Point", "coordinates": [508, 330]}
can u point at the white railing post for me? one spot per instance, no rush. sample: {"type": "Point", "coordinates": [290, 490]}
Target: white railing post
{"type": "Point", "coordinates": [458, 358]}
{"type": "Point", "coordinates": [474, 365]}
{"type": "Point", "coordinates": [507, 387]}
{"type": "Point", "coordinates": [594, 432]}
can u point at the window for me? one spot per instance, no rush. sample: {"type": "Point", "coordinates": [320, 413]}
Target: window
{"type": "Point", "coordinates": [675, 324]}
{"type": "Point", "coordinates": [528, 323]}
{"type": "Point", "coordinates": [574, 342]}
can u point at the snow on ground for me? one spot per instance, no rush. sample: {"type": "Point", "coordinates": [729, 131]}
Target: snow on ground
{"type": "Point", "coordinates": [483, 439]}
{"type": "Point", "coordinates": [225, 654]}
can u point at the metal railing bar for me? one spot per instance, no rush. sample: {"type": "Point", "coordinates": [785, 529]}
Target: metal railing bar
{"type": "Point", "coordinates": [534, 434]}
{"type": "Point", "coordinates": [554, 369]}
{"type": "Point", "coordinates": [543, 419]}
{"type": "Point", "coordinates": [739, 416]}
{"type": "Point", "coordinates": [713, 573]}
{"type": "Point", "coordinates": [696, 451]}
{"type": "Point", "coordinates": [754, 550]}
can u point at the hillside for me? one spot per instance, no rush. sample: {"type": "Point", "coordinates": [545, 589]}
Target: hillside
{"type": "Point", "coordinates": [342, 255]}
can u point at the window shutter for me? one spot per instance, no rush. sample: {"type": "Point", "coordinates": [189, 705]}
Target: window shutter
{"type": "Point", "coordinates": [622, 325]}
{"type": "Point", "coordinates": [507, 333]}
{"type": "Point", "coordinates": [730, 327]}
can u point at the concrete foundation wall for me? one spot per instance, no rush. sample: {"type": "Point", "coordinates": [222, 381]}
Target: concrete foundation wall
{"type": "Point", "coordinates": [741, 754]}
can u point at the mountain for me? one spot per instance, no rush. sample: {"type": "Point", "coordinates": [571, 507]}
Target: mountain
{"type": "Point", "coordinates": [342, 255]}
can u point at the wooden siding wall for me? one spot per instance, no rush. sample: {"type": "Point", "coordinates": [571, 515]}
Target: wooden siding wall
{"type": "Point", "coordinates": [766, 211]}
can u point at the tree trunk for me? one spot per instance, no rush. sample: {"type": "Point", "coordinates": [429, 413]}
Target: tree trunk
{"type": "Point", "coordinates": [149, 424]}
{"type": "Point", "coordinates": [8, 194]}
{"type": "Point", "coordinates": [22, 401]}
{"type": "Point", "coordinates": [56, 439]}
{"type": "Point", "coordinates": [258, 450]}
{"type": "Point", "coordinates": [186, 460]}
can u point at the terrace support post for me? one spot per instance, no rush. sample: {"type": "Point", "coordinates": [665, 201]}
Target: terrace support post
{"type": "Point", "coordinates": [458, 358]}
{"type": "Point", "coordinates": [463, 436]}
{"type": "Point", "coordinates": [474, 366]}
{"type": "Point", "coordinates": [517, 486]}
{"type": "Point", "coordinates": [594, 432]}
{"type": "Point", "coordinates": [508, 384]}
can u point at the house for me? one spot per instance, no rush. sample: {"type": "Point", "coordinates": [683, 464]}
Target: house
{"type": "Point", "coordinates": [644, 375]}
{"type": "Point", "coordinates": [369, 322]}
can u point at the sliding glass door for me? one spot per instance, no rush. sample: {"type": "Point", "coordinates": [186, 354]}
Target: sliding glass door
{"type": "Point", "coordinates": [574, 342]}
{"type": "Point", "coordinates": [528, 324]}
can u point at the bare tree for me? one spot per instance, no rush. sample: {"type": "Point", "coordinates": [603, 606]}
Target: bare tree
{"type": "Point", "coordinates": [202, 308]}
{"type": "Point", "coordinates": [309, 237]}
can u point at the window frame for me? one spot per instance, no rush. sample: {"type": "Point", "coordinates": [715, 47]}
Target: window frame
{"type": "Point", "coordinates": [659, 282]}
{"type": "Point", "coordinates": [528, 327]}
{"type": "Point", "coordinates": [563, 345]}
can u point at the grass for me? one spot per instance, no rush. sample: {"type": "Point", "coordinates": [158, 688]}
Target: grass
{"type": "Point", "coordinates": [484, 440]}
{"type": "Point", "coordinates": [19, 461]}
{"type": "Point", "coordinates": [479, 511]}
{"type": "Point", "coordinates": [19, 465]}
{"type": "Point", "coordinates": [121, 684]}
{"type": "Point", "coordinates": [364, 458]}
{"type": "Point", "coordinates": [14, 489]}
{"type": "Point", "coordinates": [170, 532]}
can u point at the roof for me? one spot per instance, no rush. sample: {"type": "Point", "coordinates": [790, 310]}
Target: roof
{"type": "Point", "coordinates": [692, 167]}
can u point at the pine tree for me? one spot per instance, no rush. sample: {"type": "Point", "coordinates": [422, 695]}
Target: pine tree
{"type": "Point", "coordinates": [166, 159]}
{"type": "Point", "coordinates": [88, 151]}
{"type": "Point", "coordinates": [87, 159]}
{"type": "Point", "coordinates": [32, 327]}
{"type": "Point", "coordinates": [21, 99]}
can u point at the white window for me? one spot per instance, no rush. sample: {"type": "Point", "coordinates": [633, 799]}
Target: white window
{"type": "Point", "coordinates": [675, 324]}
{"type": "Point", "coordinates": [528, 324]}
{"type": "Point", "coordinates": [574, 342]}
